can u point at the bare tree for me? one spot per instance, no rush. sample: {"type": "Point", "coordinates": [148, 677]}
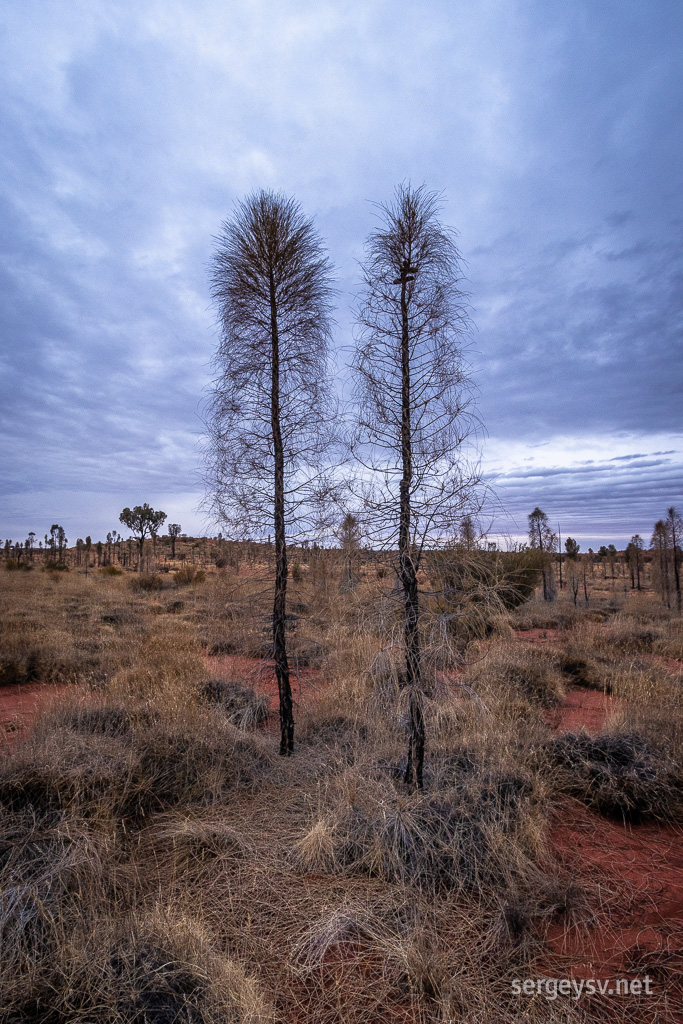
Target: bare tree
{"type": "Point", "coordinates": [674, 529]}
{"type": "Point", "coordinates": [633, 559]}
{"type": "Point", "coordinates": [174, 530]}
{"type": "Point", "coordinates": [349, 536]}
{"type": "Point", "coordinates": [544, 540]}
{"type": "Point", "coordinates": [269, 420]}
{"type": "Point", "coordinates": [413, 395]}
{"type": "Point", "coordinates": [660, 545]}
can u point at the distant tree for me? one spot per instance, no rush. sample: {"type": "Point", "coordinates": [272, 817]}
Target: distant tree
{"type": "Point", "coordinates": [349, 539]}
{"type": "Point", "coordinates": [674, 529]}
{"type": "Point", "coordinates": [269, 421]}
{"type": "Point", "coordinates": [174, 532]}
{"type": "Point", "coordinates": [468, 534]}
{"type": "Point", "coordinates": [141, 521]}
{"type": "Point", "coordinates": [659, 545]}
{"type": "Point", "coordinates": [574, 573]}
{"type": "Point", "coordinates": [544, 540]}
{"type": "Point", "coordinates": [634, 559]}
{"type": "Point", "coordinates": [31, 542]}
{"type": "Point", "coordinates": [413, 431]}
{"type": "Point", "coordinates": [58, 541]}
{"type": "Point", "coordinates": [88, 546]}
{"type": "Point", "coordinates": [572, 548]}
{"type": "Point", "coordinates": [79, 551]}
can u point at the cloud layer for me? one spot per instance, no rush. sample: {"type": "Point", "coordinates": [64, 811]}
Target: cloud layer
{"type": "Point", "coordinates": [127, 132]}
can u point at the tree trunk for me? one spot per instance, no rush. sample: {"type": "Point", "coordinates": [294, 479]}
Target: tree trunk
{"type": "Point", "coordinates": [407, 568]}
{"type": "Point", "coordinates": [280, 601]}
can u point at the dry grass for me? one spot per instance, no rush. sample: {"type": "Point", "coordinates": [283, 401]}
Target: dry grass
{"type": "Point", "coordinates": [160, 863]}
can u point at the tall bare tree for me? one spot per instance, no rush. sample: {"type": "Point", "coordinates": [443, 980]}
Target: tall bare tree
{"type": "Point", "coordinates": [544, 540]}
{"type": "Point", "coordinates": [269, 420]}
{"type": "Point", "coordinates": [174, 530]}
{"type": "Point", "coordinates": [674, 528]}
{"type": "Point", "coordinates": [413, 394]}
{"type": "Point", "coordinates": [660, 543]}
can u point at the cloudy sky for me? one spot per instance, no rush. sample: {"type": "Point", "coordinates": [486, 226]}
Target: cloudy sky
{"type": "Point", "coordinates": [129, 129]}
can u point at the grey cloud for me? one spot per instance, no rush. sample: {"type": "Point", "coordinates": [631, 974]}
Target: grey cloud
{"type": "Point", "coordinates": [127, 132]}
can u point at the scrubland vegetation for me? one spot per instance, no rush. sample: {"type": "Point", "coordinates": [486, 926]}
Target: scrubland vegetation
{"type": "Point", "coordinates": [160, 862]}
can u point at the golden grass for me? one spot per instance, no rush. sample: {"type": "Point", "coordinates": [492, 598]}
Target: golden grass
{"type": "Point", "coordinates": [159, 863]}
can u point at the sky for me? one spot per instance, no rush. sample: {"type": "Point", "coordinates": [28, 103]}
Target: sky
{"type": "Point", "coordinates": [128, 130]}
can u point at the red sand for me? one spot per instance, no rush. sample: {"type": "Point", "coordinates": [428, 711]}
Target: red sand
{"type": "Point", "coordinates": [538, 635]}
{"type": "Point", "coordinates": [638, 930]}
{"type": "Point", "coordinates": [19, 705]}
{"type": "Point", "coordinates": [582, 708]}
{"type": "Point", "coordinates": [260, 674]}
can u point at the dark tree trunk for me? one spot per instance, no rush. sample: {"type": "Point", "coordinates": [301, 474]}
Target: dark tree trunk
{"type": "Point", "coordinates": [408, 569]}
{"type": "Point", "coordinates": [280, 601]}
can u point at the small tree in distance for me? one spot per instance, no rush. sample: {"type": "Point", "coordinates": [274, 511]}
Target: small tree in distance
{"type": "Point", "coordinates": [174, 532]}
{"type": "Point", "coordinates": [572, 548]}
{"type": "Point", "coordinates": [269, 423]}
{"type": "Point", "coordinates": [674, 530]}
{"type": "Point", "coordinates": [544, 540]}
{"type": "Point", "coordinates": [143, 521]}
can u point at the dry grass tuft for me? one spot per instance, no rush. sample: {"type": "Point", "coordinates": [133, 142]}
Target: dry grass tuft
{"type": "Point", "coordinates": [621, 775]}
{"type": "Point", "coordinates": [240, 703]}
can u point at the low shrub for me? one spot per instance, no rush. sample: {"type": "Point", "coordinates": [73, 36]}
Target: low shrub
{"type": "Point", "coordinates": [517, 669]}
{"type": "Point", "coordinates": [240, 703]}
{"type": "Point", "coordinates": [143, 969]}
{"type": "Point", "coordinates": [187, 575]}
{"type": "Point", "coordinates": [147, 581]}
{"type": "Point", "coordinates": [469, 835]}
{"type": "Point", "coordinates": [585, 671]}
{"type": "Point", "coordinates": [111, 570]}
{"type": "Point", "coordinates": [620, 775]}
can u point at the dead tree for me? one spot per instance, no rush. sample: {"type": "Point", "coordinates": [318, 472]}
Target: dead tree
{"type": "Point", "coordinates": [414, 429]}
{"type": "Point", "coordinates": [674, 528]}
{"type": "Point", "coordinates": [269, 416]}
{"type": "Point", "coordinates": [544, 540]}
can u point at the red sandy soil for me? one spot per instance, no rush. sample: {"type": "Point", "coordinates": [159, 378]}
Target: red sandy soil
{"type": "Point", "coordinates": [640, 870]}
{"type": "Point", "coordinates": [582, 709]}
{"type": "Point", "coordinates": [537, 635]}
{"type": "Point", "coordinates": [259, 673]}
{"type": "Point", "coordinates": [638, 930]}
{"type": "Point", "coordinates": [19, 706]}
